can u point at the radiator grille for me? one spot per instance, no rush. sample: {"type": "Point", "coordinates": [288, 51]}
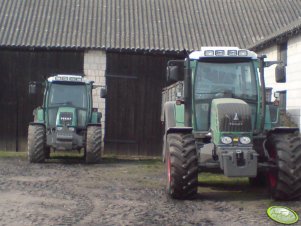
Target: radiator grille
{"type": "Point", "coordinates": [234, 117]}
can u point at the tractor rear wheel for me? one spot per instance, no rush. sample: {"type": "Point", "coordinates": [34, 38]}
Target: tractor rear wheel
{"type": "Point", "coordinates": [285, 180]}
{"type": "Point", "coordinates": [181, 166]}
{"type": "Point", "coordinates": [93, 144]}
{"type": "Point", "coordinates": [36, 143]}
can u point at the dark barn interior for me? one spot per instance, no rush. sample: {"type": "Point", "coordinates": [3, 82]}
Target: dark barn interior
{"type": "Point", "coordinates": [17, 68]}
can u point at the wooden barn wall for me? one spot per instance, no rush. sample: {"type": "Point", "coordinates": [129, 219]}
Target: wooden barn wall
{"type": "Point", "coordinates": [17, 68]}
{"type": "Point", "coordinates": [133, 104]}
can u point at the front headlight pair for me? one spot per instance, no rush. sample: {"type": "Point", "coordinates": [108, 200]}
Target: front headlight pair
{"type": "Point", "coordinates": [229, 140]}
{"type": "Point", "coordinates": [61, 128]}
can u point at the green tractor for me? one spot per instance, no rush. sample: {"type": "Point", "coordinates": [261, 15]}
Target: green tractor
{"type": "Point", "coordinates": [66, 120]}
{"type": "Point", "coordinates": [216, 117]}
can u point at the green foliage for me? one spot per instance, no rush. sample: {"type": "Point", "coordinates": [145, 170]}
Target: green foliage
{"type": "Point", "coordinates": [12, 154]}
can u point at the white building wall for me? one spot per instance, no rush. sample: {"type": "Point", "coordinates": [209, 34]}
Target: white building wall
{"type": "Point", "coordinates": [293, 76]}
{"type": "Point", "coordinates": [94, 69]}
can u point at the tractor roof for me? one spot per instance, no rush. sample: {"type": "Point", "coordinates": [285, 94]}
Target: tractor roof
{"type": "Point", "coordinates": [222, 51]}
{"type": "Point", "coordinates": [68, 78]}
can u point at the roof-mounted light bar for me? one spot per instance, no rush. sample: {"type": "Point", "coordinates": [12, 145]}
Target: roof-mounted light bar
{"type": "Point", "coordinates": [72, 78]}
{"type": "Point", "coordinates": [67, 78]}
{"type": "Point", "coordinates": [222, 52]}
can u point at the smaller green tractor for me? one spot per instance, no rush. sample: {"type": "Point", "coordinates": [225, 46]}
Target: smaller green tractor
{"type": "Point", "coordinates": [66, 120]}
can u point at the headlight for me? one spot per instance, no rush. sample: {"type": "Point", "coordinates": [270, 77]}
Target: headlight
{"type": "Point", "coordinates": [232, 52]}
{"type": "Point", "coordinates": [71, 129]}
{"type": "Point", "coordinates": [226, 140]}
{"type": "Point", "coordinates": [245, 140]}
{"type": "Point", "coordinates": [59, 128]}
{"type": "Point", "coordinates": [219, 52]}
{"type": "Point", "coordinates": [209, 53]}
{"type": "Point", "coordinates": [242, 53]}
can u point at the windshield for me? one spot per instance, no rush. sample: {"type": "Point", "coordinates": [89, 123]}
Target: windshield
{"type": "Point", "coordinates": [218, 80]}
{"type": "Point", "coordinates": [68, 95]}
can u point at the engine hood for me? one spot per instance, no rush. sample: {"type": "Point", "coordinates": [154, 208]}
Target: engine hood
{"type": "Point", "coordinates": [230, 115]}
{"type": "Point", "coordinates": [66, 116]}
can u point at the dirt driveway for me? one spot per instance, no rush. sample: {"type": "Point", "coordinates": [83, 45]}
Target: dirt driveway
{"type": "Point", "coordinates": [119, 192]}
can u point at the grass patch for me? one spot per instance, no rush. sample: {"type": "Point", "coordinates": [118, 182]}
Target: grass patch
{"type": "Point", "coordinates": [107, 158]}
{"type": "Point", "coordinates": [219, 187]}
{"type": "Point", "coordinates": [13, 154]}
{"type": "Point", "coordinates": [221, 180]}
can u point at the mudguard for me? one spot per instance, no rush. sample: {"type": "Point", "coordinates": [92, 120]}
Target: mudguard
{"type": "Point", "coordinates": [171, 124]}
{"type": "Point", "coordinates": [278, 130]}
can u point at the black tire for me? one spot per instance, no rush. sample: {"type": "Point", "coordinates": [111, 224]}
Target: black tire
{"type": "Point", "coordinates": [285, 181]}
{"type": "Point", "coordinates": [93, 144]}
{"type": "Point", "coordinates": [36, 143]}
{"type": "Point", "coordinates": [181, 166]}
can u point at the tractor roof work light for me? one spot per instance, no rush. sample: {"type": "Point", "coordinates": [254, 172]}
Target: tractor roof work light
{"type": "Point", "coordinates": [219, 52]}
{"type": "Point", "coordinates": [209, 53]}
{"type": "Point", "coordinates": [232, 53]}
{"type": "Point", "coordinates": [242, 52]}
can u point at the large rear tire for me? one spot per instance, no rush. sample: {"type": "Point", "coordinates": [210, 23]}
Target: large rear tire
{"type": "Point", "coordinates": [285, 180]}
{"type": "Point", "coordinates": [181, 166]}
{"type": "Point", "coordinates": [36, 143]}
{"type": "Point", "coordinates": [93, 144]}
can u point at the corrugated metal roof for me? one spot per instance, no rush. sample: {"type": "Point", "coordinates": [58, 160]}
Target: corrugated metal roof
{"type": "Point", "coordinates": [280, 35]}
{"type": "Point", "coordinates": [142, 24]}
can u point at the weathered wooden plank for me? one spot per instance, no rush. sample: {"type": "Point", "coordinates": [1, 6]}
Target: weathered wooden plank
{"type": "Point", "coordinates": [142, 99]}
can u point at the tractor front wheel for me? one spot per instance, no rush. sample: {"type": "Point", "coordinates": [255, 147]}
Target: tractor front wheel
{"type": "Point", "coordinates": [93, 144]}
{"type": "Point", "coordinates": [181, 166]}
{"type": "Point", "coordinates": [285, 180]}
{"type": "Point", "coordinates": [36, 143]}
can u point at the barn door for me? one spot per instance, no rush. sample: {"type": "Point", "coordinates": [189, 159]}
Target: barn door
{"type": "Point", "coordinates": [8, 103]}
{"type": "Point", "coordinates": [121, 113]}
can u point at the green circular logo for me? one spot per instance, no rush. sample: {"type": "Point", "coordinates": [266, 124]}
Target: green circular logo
{"type": "Point", "coordinates": [283, 215]}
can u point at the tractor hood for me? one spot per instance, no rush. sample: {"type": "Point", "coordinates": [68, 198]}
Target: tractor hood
{"type": "Point", "coordinates": [230, 115]}
{"type": "Point", "coordinates": [66, 116]}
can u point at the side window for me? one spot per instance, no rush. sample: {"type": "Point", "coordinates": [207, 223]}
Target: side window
{"type": "Point", "coordinates": [282, 53]}
{"type": "Point", "coordinates": [268, 94]}
{"type": "Point", "coordinates": [282, 100]}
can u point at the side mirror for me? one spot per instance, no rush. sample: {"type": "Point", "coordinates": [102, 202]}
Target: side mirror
{"type": "Point", "coordinates": [32, 89]}
{"type": "Point", "coordinates": [280, 74]}
{"type": "Point", "coordinates": [172, 73]}
{"type": "Point", "coordinates": [103, 92]}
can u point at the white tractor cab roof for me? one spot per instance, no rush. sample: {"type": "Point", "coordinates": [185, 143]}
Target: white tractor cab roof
{"type": "Point", "coordinates": [68, 78]}
{"type": "Point", "coordinates": [222, 51]}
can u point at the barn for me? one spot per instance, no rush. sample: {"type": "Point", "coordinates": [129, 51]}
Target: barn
{"type": "Point", "coordinates": [123, 44]}
{"type": "Point", "coordinates": [285, 45]}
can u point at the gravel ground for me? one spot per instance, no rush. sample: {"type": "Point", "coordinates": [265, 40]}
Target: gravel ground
{"type": "Point", "coordinates": [119, 192]}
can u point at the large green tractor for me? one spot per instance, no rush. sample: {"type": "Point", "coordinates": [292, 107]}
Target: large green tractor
{"type": "Point", "coordinates": [66, 120]}
{"type": "Point", "coordinates": [218, 105]}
